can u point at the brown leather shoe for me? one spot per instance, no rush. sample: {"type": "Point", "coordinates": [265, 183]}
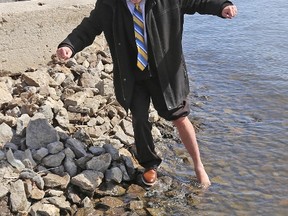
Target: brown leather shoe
{"type": "Point", "coordinates": [149, 176]}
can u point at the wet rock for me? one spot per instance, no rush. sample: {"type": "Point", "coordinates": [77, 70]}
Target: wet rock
{"type": "Point", "coordinates": [112, 202]}
{"type": "Point", "coordinates": [136, 205]}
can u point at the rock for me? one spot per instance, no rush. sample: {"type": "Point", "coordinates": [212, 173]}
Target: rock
{"type": "Point", "coordinates": [55, 147]}
{"type": "Point", "coordinates": [14, 162]}
{"type": "Point", "coordinates": [96, 150]}
{"type": "Point", "coordinates": [114, 174]}
{"type": "Point", "coordinates": [3, 191]}
{"type": "Point", "coordinates": [112, 202]}
{"type": "Point", "coordinates": [53, 181]}
{"type": "Point", "coordinates": [40, 133]}
{"type": "Point", "coordinates": [6, 134]}
{"type": "Point", "coordinates": [18, 198]}
{"type": "Point", "coordinates": [5, 94]}
{"type": "Point", "coordinates": [100, 163]}
{"type": "Point", "coordinates": [135, 205]}
{"type": "Point", "coordinates": [40, 153]}
{"type": "Point", "coordinates": [60, 202]}
{"type": "Point", "coordinates": [127, 127]}
{"type": "Point", "coordinates": [40, 208]}
{"type": "Point", "coordinates": [88, 180]}
{"type": "Point", "coordinates": [2, 155]}
{"type": "Point", "coordinates": [70, 166]}
{"type": "Point", "coordinates": [112, 151]}
{"type": "Point", "coordinates": [37, 194]}
{"type": "Point", "coordinates": [77, 147]}
{"type": "Point", "coordinates": [119, 134]}
{"type": "Point", "coordinates": [29, 157]}
{"type": "Point", "coordinates": [33, 176]}
{"type": "Point", "coordinates": [54, 160]}
{"type": "Point", "coordinates": [37, 78]}
{"type": "Point", "coordinates": [52, 192]}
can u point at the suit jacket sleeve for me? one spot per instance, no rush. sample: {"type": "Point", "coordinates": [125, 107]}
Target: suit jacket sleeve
{"type": "Point", "coordinates": [84, 34]}
{"type": "Point", "coordinates": [212, 7]}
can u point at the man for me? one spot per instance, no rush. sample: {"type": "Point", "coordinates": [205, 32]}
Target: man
{"type": "Point", "coordinates": [144, 37]}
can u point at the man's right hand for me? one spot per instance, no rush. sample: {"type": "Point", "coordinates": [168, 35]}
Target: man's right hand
{"type": "Point", "coordinates": [64, 53]}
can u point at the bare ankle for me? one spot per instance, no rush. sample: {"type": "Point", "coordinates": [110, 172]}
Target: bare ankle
{"type": "Point", "coordinates": [202, 176]}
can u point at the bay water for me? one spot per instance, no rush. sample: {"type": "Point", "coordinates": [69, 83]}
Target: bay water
{"type": "Point", "coordinates": [239, 91]}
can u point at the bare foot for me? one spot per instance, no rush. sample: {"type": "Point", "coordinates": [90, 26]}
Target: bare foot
{"type": "Point", "coordinates": [202, 177]}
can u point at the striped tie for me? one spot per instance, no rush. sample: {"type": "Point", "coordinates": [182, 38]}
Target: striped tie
{"type": "Point", "coordinates": [142, 57]}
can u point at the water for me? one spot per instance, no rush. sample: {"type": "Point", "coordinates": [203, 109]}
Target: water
{"type": "Point", "coordinates": [239, 79]}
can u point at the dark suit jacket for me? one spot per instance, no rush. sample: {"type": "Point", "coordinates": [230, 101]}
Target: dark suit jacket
{"type": "Point", "coordinates": [164, 26]}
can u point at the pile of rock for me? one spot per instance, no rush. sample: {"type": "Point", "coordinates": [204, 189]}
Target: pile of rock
{"type": "Point", "coordinates": [64, 135]}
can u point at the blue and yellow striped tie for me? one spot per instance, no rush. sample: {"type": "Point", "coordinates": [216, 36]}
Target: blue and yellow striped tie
{"type": "Point", "coordinates": [142, 57]}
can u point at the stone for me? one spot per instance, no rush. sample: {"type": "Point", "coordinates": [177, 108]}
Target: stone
{"type": "Point", "coordinates": [3, 191]}
{"type": "Point", "coordinates": [39, 154]}
{"type": "Point", "coordinates": [112, 151]}
{"type": "Point", "coordinates": [14, 162]}
{"type": "Point", "coordinates": [75, 99]}
{"type": "Point", "coordinates": [40, 133]}
{"type": "Point", "coordinates": [6, 96]}
{"type": "Point", "coordinates": [135, 205]}
{"type": "Point", "coordinates": [60, 202]}
{"type": "Point", "coordinates": [114, 174]}
{"type": "Point", "coordinates": [37, 78]}
{"type": "Point", "coordinates": [6, 134]}
{"type": "Point", "coordinates": [70, 166]}
{"type": "Point", "coordinates": [112, 202]}
{"type": "Point", "coordinates": [77, 147]}
{"type": "Point", "coordinates": [54, 181]}
{"type": "Point", "coordinates": [88, 180]}
{"type": "Point", "coordinates": [54, 160]}
{"type": "Point", "coordinates": [18, 197]}
{"type": "Point", "coordinates": [100, 163]}
{"type": "Point", "coordinates": [44, 209]}
{"type": "Point", "coordinates": [37, 194]}
{"type": "Point", "coordinates": [96, 150]}
{"type": "Point", "coordinates": [55, 147]}
{"type": "Point", "coordinates": [127, 127]}
{"type": "Point", "coordinates": [119, 134]}
{"type": "Point", "coordinates": [2, 155]}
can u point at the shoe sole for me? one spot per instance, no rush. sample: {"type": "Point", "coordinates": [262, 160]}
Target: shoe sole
{"type": "Point", "coordinates": [147, 183]}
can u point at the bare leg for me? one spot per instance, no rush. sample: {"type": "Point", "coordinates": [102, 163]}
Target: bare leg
{"type": "Point", "coordinates": [188, 137]}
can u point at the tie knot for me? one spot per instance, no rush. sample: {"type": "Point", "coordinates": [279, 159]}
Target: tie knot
{"type": "Point", "coordinates": [137, 6]}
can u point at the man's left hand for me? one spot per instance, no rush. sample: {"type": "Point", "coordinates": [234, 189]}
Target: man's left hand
{"type": "Point", "coordinates": [229, 11]}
